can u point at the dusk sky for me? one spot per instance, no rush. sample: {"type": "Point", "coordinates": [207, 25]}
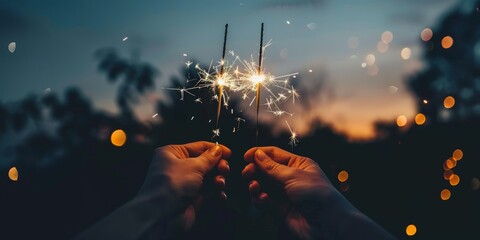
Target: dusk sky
{"type": "Point", "coordinates": [320, 39]}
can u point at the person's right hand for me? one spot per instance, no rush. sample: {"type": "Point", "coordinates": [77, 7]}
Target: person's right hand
{"type": "Point", "coordinates": [310, 204]}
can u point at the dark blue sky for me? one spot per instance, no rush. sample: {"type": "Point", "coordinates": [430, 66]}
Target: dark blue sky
{"type": "Point", "coordinates": [56, 41]}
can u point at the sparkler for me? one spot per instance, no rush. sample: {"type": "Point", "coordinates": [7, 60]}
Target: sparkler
{"type": "Point", "coordinates": [252, 78]}
{"type": "Point", "coordinates": [221, 82]}
{"type": "Point", "coordinates": [258, 79]}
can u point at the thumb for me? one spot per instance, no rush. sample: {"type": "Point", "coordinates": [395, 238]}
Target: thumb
{"type": "Point", "coordinates": [209, 159]}
{"type": "Point", "coordinates": [273, 169]}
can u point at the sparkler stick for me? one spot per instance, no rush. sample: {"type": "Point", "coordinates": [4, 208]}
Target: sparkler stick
{"type": "Point", "coordinates": [260, 52]}
{"type": "Point", "coordinates": [220, 84]}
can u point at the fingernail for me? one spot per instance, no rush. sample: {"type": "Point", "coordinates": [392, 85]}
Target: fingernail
{"type": "Point", "coordinates": [223, 181]}
{"type": "Point", "coordinates": [223, 195]}
{"type": "Point", "coordinates": [260, 155]}
{"type": "Point", "coordinates": [215, 151]}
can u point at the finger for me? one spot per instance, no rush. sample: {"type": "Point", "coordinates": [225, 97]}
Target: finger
{"type": "Point", "coordinates": [261, 198]}
{"type": "Point", "coordinates": [223, 168]}
{"type": "Point", "coordinates": [220, 181]}
{"type": "Point", "coordinates": [208, 159]}
{"type": "Point", "coordinates": [277, 154]}
{"type": "Point", "coordinates": [254, 188]}
{"type": "Point", "coordinates": [195, 149]}
{"type": "Point", "coordinates": [271, 168]}
{"type": "Point", "coordinates": [249, 171]}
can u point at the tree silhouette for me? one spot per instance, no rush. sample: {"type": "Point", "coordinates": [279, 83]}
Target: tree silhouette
{"type": "Point", "coordinates": [137, 77]}
{"type": "Point", "coordinates": [453, 71]}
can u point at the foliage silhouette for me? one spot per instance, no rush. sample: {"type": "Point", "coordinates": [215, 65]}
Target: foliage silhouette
{"type": "Point", "coordinates": [70, 175]}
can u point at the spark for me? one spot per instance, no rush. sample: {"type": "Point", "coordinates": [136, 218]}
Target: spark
{"type": "Point", "coordinates": [198, 100]}
{"type": "Point", "coordinates": [182, 91]}
{"type": "Point", "coordinates": [232, 52]}
{"type": "Point", "coordinates": [238, 120]}
{"type": "Point", "coordinates": [277, 88]}
{"type": "Point", "coordinates": [288, 22]}
{"type": "Point", "coordinates": [188, 63]}
{"type": "Point", "coordinates": [155, 115]}
{"type": "Point", "coordinates": [216, 132]}
{"type": "Point", "coordinates": [279, 113]}
{"type": "Point", "coordinates": [12, 46]}
{"type": "Point", "coordinates": [312, 26]}
{"type": "Point", "coordinates": [185, 54]}
{"type": "Point", "coordinates": [125, 39]}
{"type": "Point", "coordinates": [293, 137]}
{"type": "Point", "coordinates": [191, 119]}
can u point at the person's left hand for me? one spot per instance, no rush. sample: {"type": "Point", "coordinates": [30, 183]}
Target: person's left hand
{"type": "Point", "coordinates": [180, 172]}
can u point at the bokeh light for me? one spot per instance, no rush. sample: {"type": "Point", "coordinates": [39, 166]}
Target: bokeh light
{"type": "Point", "coordinates": [344, 186]}
{"type": "Point", "coordinates": [401, 121]}
{"type": "Point", "coordinates": [420, 119]}
{"type": "Point", "coordinates": [118, 138]}
{"type": "Point", "coordinates": [445, 194]}
{"type": "Point", "coordinates": [454, 180]}
{"type": "Point", "coordinates": [406, 53]}
{"type": "Point", "coordinates": [387, 37]}
{"type": "Point", "coordinates": [475, 184]}
{"type": "Point", "coordinates": [13, 174]}
{"type": "Point", "coordinates": [449, 102]}
{"type": "Point", "coordinates": [370, 59]}
{"type": "Point", "coordinates": [450, 163]}
{"type": "Point", "coordinates": [447, 174]}
{"type": "Point", "coordinates": [411, 230]}
{"type": "Point", "coordinates": [372, 70]}
{"type": "Point", "coordinates": [457, 154]}
{"type": "Point", "coordinates": [426, 34]}
{"type": "Point", "coordinates": [447, 42]}
{"type": "Point", "coordinates": [382, 47]}
{"type": "Point", "coordinates": [342, 176]}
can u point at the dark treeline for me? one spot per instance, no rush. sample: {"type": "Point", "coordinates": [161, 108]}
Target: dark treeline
{"type": "Point", "coordinates": [70, 175]}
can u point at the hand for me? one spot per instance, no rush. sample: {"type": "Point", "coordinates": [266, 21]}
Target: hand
{"type": "Point", "coordinates": [183, 169]}
{"type": "Point", "coordinates": [310, 204]}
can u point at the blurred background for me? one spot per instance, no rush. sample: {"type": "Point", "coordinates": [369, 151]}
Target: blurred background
{"type": "Point", "coordinates": [388, 106]}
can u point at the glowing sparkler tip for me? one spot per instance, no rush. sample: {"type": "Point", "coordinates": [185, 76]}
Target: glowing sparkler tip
{"type": "Point", "coordinates": [257, 78]}
{"type": "Point", "coordinates": [221, 81]}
